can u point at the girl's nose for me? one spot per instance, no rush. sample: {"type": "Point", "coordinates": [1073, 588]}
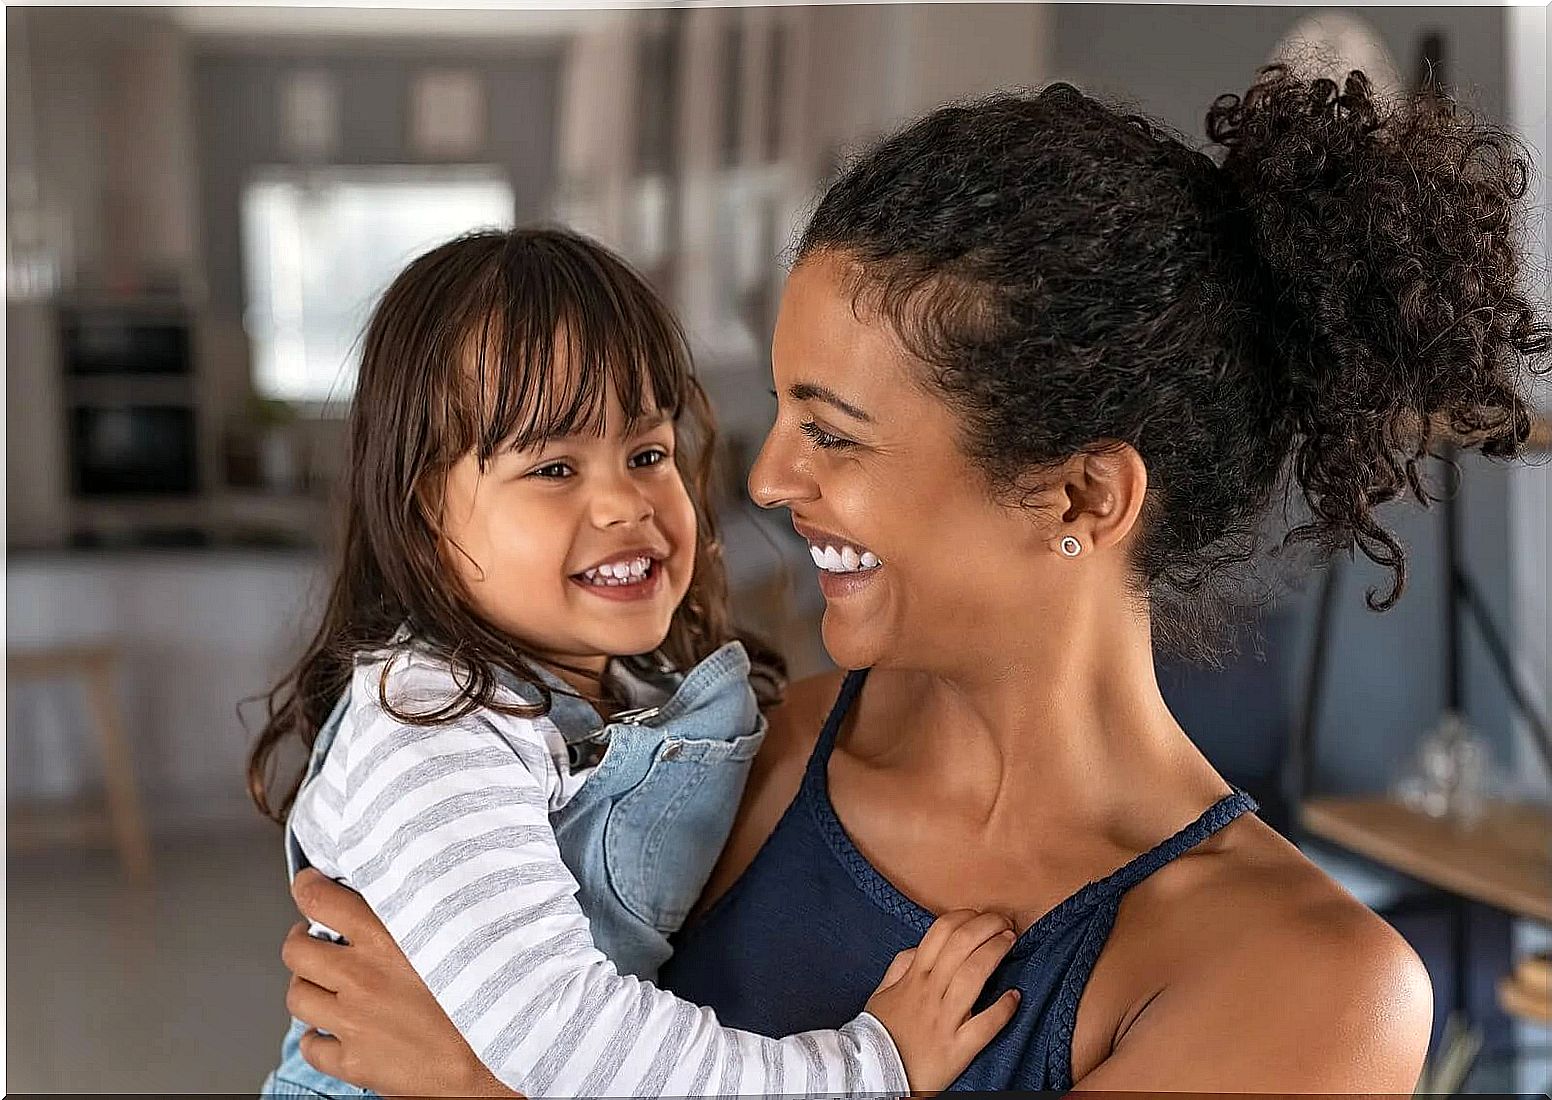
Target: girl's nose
{"type": "Point", "coordinates": [621, 504]}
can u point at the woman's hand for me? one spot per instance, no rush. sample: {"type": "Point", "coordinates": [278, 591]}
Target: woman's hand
{"type": "Point", "coordinates": [386, 1031]}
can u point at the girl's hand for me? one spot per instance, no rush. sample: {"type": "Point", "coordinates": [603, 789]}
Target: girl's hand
{"type": "Point", "coordinates": [386, 1031]}
{"type": "Point", "coordinates": [927, 993]}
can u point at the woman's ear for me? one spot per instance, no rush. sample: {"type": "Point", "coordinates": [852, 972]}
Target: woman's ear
{"type": "Point", "coordinates": [1100, 496]}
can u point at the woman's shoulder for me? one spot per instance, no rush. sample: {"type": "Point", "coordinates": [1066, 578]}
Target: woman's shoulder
{"type": "Point", "coordinates": [1253, 899]}
{"type": "Point", "coordinates": [1261, 960]}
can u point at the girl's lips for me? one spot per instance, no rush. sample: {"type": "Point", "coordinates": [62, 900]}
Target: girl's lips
{"type": "Point", "coordinates": [644, 589]}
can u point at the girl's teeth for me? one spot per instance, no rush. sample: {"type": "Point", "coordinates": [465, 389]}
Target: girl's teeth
{"type": "Point", "coordinates": [614, 574]}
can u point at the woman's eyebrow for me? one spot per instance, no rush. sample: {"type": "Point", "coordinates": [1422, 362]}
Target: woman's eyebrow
{"type": "Point", "coordinates": [809, 391]}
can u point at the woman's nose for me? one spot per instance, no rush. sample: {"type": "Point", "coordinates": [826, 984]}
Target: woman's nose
{"type": "Point", "coordinates": [775, 479]}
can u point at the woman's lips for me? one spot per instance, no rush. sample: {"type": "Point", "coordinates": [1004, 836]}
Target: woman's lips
{"type": "Point", "coordinates": [836, 585]}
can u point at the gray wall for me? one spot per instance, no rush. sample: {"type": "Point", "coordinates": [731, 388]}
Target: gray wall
{"type": "Point", "coordinates": [1386, 680]}
{"type": "Point", "coordinates": [237, 103]}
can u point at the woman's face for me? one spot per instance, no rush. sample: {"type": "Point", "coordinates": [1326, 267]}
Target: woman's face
{"type": "Point", "coordinates": [867, 461]}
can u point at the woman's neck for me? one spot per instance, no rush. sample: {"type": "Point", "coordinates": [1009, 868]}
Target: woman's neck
{"type": "Point", "coordinates": [1071, 721]}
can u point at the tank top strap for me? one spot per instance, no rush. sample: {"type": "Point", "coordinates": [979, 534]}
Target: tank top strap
{"type": "Point", "coordinates": [820, 757]}
{"type": "Point", "coordinates": [1214, 818]}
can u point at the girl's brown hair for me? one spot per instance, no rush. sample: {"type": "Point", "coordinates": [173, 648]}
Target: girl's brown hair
{"type": "Point", "coordinates": [461, 355]}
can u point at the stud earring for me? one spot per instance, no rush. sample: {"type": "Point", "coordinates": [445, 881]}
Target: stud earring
{"type": "Point", "coordinates": [1071, 546]}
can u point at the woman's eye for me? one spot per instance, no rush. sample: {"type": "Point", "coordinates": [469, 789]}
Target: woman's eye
{"type": "Point", "coordinates": [648, 458]}
{"type": "Point", "coordinates": [822, 438]}
{"type": "Point", "coordinates": [554, 470]}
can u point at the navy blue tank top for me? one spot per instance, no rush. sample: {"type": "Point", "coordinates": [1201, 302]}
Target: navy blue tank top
{"type": "Point", "coordinates": [801, 940]}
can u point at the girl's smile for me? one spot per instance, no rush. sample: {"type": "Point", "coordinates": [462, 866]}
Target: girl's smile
{"type": "Point", "coordinates": [633, 575]}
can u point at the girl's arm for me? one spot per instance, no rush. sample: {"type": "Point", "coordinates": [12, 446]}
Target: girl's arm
{"type": "Point", "coordinates": [445, 832]}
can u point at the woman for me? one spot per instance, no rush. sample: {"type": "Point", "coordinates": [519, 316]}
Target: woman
{"type": "Point", "coordinates": [1040, 371]}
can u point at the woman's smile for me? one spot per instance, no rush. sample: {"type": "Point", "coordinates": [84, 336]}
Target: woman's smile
{"type": "Point", "coordinates": [845, 565]}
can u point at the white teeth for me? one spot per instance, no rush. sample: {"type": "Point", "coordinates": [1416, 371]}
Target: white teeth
{"type": "Point", "coordinates": [616, 573]}
{"type": "Point", "coordinates": [848, 559]}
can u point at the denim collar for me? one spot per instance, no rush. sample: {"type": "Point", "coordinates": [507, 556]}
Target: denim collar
{"type": "Point", "coordinates": [716, 689]}
{"type": "Point", "coordinates": [646, 682]}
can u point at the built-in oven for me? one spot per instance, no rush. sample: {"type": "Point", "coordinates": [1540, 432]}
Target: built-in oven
{"type": "Point", "coordinates": [131, 418]}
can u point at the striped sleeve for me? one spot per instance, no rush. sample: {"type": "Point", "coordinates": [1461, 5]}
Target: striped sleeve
{"type": "Point", "coordinates": [445, 831]}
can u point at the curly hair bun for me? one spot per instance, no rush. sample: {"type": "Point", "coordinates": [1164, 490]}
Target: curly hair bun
{"type": "Point", "coordinates": [1384, 264]}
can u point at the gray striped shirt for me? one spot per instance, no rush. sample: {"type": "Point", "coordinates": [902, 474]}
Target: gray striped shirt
{"type": "Point", "coordinates": [445, 831]}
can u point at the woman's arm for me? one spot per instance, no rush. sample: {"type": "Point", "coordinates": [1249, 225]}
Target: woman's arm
{"type": "Point", "coordinates": [386, 1030]}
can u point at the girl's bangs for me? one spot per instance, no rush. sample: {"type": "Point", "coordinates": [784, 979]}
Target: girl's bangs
{"type": "Point", "coordinates": [562, 332]}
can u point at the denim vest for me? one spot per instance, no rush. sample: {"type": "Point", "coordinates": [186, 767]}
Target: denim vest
{"type": "Point", "coordinates": [641, 833]}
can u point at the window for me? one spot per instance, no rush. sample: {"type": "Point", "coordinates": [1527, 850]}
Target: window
{"type": "Point", "coordinates": [320, 247]}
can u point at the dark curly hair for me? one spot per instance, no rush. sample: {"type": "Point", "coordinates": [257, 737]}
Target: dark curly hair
{"type": "Point", "coordinates": [1317, 307]}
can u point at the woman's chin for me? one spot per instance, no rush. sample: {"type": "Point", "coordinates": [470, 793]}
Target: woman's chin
{"type": "Point", "coordinates": [851, 645]}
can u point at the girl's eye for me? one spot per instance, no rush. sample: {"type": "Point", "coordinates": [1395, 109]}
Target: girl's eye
{"type": "Point", "coordinates": [555, 471]}
{"type": "Point", "coordinates": [648, 458]}
{"type": "Point", "coordinates": [822, 438]}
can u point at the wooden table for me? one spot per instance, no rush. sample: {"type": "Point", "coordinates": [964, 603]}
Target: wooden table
{"type": "Point", "coordinates": [1504, 862]}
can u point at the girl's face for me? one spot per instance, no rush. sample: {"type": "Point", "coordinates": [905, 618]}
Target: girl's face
{"type": "Point", "coordinates": [581, 547]}
{"type": "Point", "coordinates": [867, 462]}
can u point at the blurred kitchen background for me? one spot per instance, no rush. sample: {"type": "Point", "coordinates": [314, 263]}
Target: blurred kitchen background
{"type": "Point", "coordinates": [202, 203]}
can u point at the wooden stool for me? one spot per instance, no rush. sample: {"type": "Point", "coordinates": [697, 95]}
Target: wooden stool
{"type": "Point", "coordinates": [95, 666]}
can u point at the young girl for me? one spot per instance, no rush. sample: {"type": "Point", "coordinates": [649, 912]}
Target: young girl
{"type": "Point", "coordinates": [530, 723]}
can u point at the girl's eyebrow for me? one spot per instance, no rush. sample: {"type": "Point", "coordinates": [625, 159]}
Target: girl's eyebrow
{"type": "Point", "coordinates": [640, 426]}
{"type": "Point", "coordinates": [649, 422]}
